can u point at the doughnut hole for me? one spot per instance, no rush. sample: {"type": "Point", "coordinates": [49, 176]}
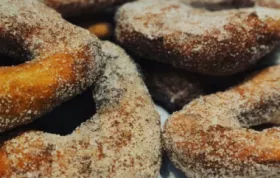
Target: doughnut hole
{"type": "Point", "coordinates": [64, 119]}
{"type": "Point", "coordinates": [8, 61]}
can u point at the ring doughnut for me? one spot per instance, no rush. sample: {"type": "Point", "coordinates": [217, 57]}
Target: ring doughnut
{"type": "Point", "coordinates": [214, 43]}
{"type": "Point", "coordinates": [63, 61]}
{"type": "Point", "coordinates": [206, 138]}
{"type": "Point", "coordinates": [121, 140]}
{"type": "Point", "coordinates": [76, 7]}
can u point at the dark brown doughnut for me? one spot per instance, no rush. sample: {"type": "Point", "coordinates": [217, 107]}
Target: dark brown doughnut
{"type": "Point", "coordinates": [174, 88]}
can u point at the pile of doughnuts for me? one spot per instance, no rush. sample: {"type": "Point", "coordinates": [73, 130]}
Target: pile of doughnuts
{"type": "Point", "coordinates": [121, 140]}
{"type": "Point", "coordinates": [202, 58]}
{"type": "Point", "coordinates": [216, 53]}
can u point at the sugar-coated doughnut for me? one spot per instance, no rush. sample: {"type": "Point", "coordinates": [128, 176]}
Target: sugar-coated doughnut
{"type": "Point", "coordinates": [122, 140]}
{"type": "Point", "coordinates": [62, 61]}
{"type": "Point", "coordinates": [214, 43]}
{"type": "Point", "coordinates": [210, 137]}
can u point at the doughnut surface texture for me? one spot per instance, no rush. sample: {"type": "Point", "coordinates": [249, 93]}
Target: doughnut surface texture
{"type": "Point", "coordinates": [122, 140]}
{"type": "Point", "coordinates": [210, 136]}
{"type": "Point", "coordinates": [214, 43]}
{"type": "Point", "coordinates": [62, 61]}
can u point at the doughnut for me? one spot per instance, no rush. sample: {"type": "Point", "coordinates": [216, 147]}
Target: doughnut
{"type": "Point", "coordinates": [170, 88]}
{"type": "Point", "coordinates": [211, 136]}
{"type": "Point", "coordinates": [121, 140]}
{"type": "Point", "coordinates": [77, 7]}
{"type": "Point", "coordinates": [174, 88]}
{"type": "Point", "coordinates": [62, 60]}
{"type": "Point", "coordinates": [214, 43]}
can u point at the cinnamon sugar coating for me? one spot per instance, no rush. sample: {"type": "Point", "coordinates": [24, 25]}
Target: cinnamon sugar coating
{"type": "Point", "coordinates": [121, 140]}
{"type": "Point", "coordinates": [214, 43]}
{"type": "Point", "coordinates": [210, 136]}
{"type": "Point", "coordinates": [62, 61]}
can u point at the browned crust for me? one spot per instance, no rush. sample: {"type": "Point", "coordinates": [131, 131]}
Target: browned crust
{"type": "Point", "coordinates": [206, 138]}
{"type": "Point", "coordinates": [248, 39]}
{"type": "Point", "coordinates": [65, 60]}
{"type": "Point", "coordinates": [122, 140]}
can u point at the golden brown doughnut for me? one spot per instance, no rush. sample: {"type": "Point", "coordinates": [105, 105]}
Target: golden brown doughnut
{"type": "Point", "coordinates": [121, 140]}
{"type": "Point", "coordinates": [213, 43]}
{"type": "Point", "coordinates": [62, 61]}
{"type": "Point", "coordinates": [76, 7]}
{"type": "Point", "coordinates": [208, 139]}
